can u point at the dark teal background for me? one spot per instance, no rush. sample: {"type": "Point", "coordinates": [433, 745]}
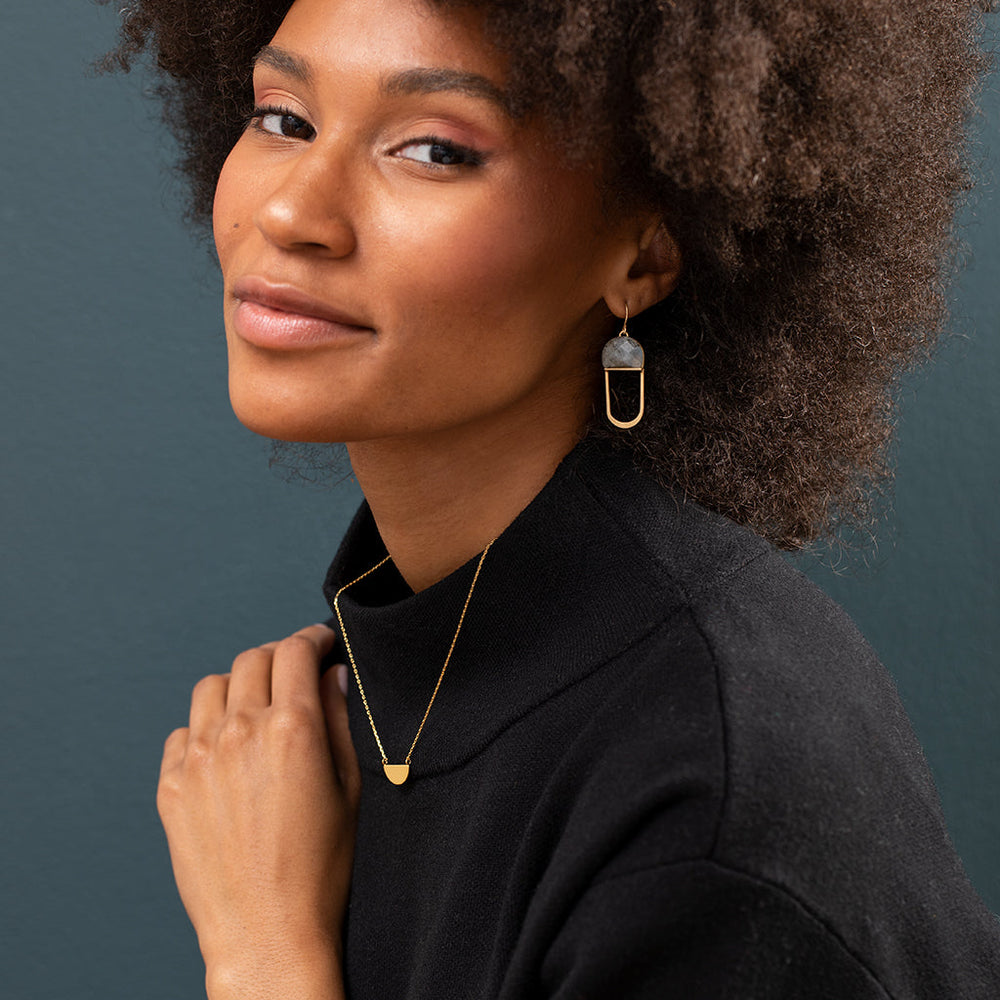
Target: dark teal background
{"type": "Point", "coordinates": [145, 542]}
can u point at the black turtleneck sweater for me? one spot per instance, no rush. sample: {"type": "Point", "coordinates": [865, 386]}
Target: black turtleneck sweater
{"type": "Point", "coordinates": [661, 765]}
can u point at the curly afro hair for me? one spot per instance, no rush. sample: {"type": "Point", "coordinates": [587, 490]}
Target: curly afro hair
{"type": "Point", "coordinates": [808, 156]}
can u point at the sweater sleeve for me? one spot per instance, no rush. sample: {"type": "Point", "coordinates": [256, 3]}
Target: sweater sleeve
{"type": "Point", "coordinates": [699, 931]}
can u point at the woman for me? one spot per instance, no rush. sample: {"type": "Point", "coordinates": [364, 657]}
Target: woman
{"type": "Point", "coordinates": [597, 737]}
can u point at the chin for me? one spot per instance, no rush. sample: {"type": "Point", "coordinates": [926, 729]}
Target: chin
{"type": "Point", "coordinates": [279, 423]}
{"type": "Point", "coordinates": [276, 408]}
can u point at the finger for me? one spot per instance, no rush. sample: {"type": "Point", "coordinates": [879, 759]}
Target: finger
{"type": "Point", "coordinates": [295, 668]}
{"type": "Point", "coordinates": [324, 637]}
{"type": "Point", "coordinates": [272, 646]}
{"type": "Point", "coordinates": [250, 679]}
{"type": "Point", "coordinates": [208, 703]}
{"type": "Point", "coordinates": [338, 730]}
{"type": "Point", "coordinates": [173, 750]}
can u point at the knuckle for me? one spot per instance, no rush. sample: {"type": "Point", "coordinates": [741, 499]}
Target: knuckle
{"type": "Point", "coordinates": [206, 684]}
{"type": "Point", "coordinates": [199, 752]}
{"type": "Point", "coordinates": [248, 658]}
{"type": "Point", "coordinates": [292, 721]}
{"type": "Point", "coordinates": [167, 793]}
{"type": "Point", "coordinates": [298, 644]}
{"type": "Point", "coordinates": [174, 739]}
{"type": "Point", "coordinates": [236, 731]}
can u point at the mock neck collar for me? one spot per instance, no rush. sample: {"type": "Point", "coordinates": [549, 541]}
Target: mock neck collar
{"type": "Point", "coordinates": [563, 590]}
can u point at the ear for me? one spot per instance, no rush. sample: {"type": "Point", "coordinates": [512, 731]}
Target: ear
{"type": "Point", "coordinates": [647, 271]}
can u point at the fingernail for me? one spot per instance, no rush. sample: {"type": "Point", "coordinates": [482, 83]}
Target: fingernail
{"type": "Point", "coordinates": [342, 677]}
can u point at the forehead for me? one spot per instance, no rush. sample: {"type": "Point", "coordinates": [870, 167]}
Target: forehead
{"type": "Point", "coordinates": [385, 38]}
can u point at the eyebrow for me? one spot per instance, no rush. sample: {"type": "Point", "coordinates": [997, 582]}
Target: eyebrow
{"type": "Point", "coordinates": [419, 80]}
{"type": "Point", "coordinates": [283, 61]}
{"type": "Point", "coordinates": [432, 81]}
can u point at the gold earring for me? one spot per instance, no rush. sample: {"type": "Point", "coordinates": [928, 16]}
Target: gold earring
{"type": "Point", "coordinates": [624, 354]}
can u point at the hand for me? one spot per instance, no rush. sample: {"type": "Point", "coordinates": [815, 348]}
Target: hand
{"type": "Point", "coordinates": [259, 800]}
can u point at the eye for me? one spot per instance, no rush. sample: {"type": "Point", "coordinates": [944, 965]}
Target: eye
{"type": "Point", "coordinates": [439, 153]}
{"type": "Point", "coordinates": [281, 121]}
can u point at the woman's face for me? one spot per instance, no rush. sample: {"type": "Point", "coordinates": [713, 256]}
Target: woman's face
{"type": "Point", "coordinates": [400, 255]}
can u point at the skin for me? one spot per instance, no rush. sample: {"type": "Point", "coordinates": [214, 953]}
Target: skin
{"type": "Point", "coordinates": [259, 797]}
{"type": "Point", "coordinates": [480, 289]}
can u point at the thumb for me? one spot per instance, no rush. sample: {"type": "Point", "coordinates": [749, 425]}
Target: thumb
{"type": "Point", "coordinates": [333, 688]}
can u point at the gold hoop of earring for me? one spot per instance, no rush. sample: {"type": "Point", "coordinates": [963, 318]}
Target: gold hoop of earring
{"type": "Point", "coordinates": [624, 354]}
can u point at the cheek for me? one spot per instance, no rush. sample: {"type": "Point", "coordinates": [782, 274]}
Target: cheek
{"type": "Point", "coordinates": [231, 210]}
{"type": "Point", "coordinates": [491, 260]}
{"type": "Point", "coordinates": [486, 307]}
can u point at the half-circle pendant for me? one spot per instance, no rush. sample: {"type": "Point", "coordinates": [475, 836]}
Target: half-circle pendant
{"type": "Point", "coordinates": [397, 773]}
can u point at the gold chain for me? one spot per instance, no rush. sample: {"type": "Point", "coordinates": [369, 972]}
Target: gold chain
{"type": "Point", "coordinates": [397, 773]}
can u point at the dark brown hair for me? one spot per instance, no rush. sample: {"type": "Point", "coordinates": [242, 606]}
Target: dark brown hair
{"type": "Point", "coordinates": [808, 156]}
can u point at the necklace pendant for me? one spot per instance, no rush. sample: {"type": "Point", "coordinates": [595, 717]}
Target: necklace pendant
{"type": "Point", "coordinates": [397, 773]}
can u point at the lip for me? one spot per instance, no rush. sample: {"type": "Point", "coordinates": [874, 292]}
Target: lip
{"type": "Point", "coordinates": [283, 317]}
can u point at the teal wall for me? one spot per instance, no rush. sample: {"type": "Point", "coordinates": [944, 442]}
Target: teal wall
{"type": "Point", "coordinates": [145, 542]}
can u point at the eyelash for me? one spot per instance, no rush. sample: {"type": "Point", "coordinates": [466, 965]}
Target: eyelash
{"type": "Point", "coordinates": [263, 111]}
{"type": "Point", "coordinates": [469, 157]}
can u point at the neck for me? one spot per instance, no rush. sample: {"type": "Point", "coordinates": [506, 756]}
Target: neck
{"type": "Point", "coordinates": [440, 500]}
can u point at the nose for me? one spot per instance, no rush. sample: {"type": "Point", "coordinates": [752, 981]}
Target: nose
{"type": "Point", "coordinates": [307, 207]}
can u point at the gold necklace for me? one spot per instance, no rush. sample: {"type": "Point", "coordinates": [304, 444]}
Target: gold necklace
{"type": "Point", "coordinates": [398, 773]}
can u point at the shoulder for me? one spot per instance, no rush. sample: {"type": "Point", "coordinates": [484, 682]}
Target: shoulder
{"type": "Point", "coordinates": [767, 636]}
{"type": "Point", "coordinates": [755, 741]}
{"type": "Point", "coordinates": [800, 720]}
{"type": "Point", "coordinates": [764, 627]}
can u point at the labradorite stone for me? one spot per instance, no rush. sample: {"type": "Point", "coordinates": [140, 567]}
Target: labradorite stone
{"type": "Point", "coordinates": [622, 352]}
